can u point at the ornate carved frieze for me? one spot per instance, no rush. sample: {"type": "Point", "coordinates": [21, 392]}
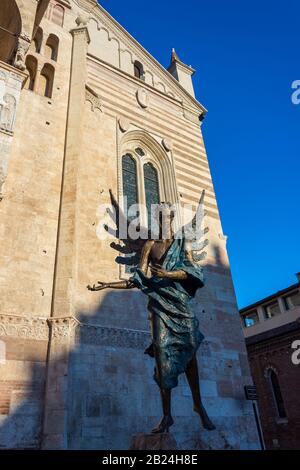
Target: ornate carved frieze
{"type": "Point", "coordinates": [115, 337]}
{"type": "Point", "coordinates": [24, 327]}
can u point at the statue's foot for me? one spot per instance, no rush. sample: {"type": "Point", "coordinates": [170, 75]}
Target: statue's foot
{"type": "Point", "coordinates": [206, 422]}
{"type": "Point", "coordinates": [150, 350]}
{"type": "Point", "coordinates": [164, 425]}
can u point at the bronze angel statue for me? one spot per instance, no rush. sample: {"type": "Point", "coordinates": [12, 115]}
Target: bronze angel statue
{"type": "Point", "coordinates": [168, 273]}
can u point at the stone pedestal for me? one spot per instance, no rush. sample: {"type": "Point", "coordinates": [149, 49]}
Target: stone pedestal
{"type": "Point", "coordinates": [164, 441]}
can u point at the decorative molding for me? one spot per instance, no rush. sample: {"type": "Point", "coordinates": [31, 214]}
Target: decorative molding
{"type": "Point", "coordinates": [167, 144]}
{"type": "Point", "coordinates": [82, 20]}
{"type": "Point", "coordinates": [142, 97]}
{"type": "Point", "coordinates": [62, 330]}
{"type": "Point", "coordinates": [92, 97]}
{"type": "Point", "coordinates": [124, 124]}
{"type": "Point", "coordinates": [192, 116]}
{"type": "Point", "coordinates": [24, 327]}
{"type": "Point", "coordinates": [110, 336]}
{"type": "Point", "coordinates": [136, 49]}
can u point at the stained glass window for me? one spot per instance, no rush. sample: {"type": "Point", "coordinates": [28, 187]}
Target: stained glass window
{"type": "Point", "coordinates": [129, 180]}
{"type": "Point", "coordinates": [151, 188]}
{"type": "Point", "coordinates": [130, 191]}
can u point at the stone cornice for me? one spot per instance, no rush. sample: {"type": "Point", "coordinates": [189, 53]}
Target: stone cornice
{"type": "Point", "coordinates": [60, 330]}
{"type": "Point", "coordinates": [99, 12]}
{"type": "Point", "coordinates": [21, 74]}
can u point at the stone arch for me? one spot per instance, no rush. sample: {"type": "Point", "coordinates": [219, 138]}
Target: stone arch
{"type": "Point", "coordinates": [155, 154]}
{"type": "Point", "coordinates": [31, 67]}
{"type": "Point", "coordinates": [160, 86]}
{"type": "Point", "coordinates": [51, 47]}
{"type": "Point", "coordinates": [11, 24]}
{"type": "Point", "coordinates": [46, 81]}
{"type": "Point", "coordinates": [58, 14]}
{"type": "Point", "coordinates": [37, 41]}
{"type": "Point", "coordinates": [268, 370]}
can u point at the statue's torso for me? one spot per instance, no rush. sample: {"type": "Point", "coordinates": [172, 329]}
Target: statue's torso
{"type": "Point", "coordinates": [159, 250]}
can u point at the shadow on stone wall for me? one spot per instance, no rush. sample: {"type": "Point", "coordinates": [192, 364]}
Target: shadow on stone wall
{"type": "Point", "coordinates": [100, 392]}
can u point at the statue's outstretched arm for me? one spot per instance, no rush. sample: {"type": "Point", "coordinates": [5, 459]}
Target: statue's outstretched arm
{"type": "Point", "coordinates": [126, 284]}
{"type": "Point", "coordinates": [111, 285]}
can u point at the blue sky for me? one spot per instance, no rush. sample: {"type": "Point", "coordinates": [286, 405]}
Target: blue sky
{"type": "Point", "coordinates": [246, 54]}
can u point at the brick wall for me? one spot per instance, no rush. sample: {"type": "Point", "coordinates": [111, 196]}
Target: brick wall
{"type": "Point", "coordinates": [276, 353]}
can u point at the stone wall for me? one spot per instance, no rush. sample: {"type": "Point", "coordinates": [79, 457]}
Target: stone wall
{"type": "Point", "coordinates": [65, 157]}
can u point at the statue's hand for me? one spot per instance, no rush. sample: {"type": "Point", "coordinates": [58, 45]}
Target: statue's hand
{"type": "Point", "coordinates": [158, 271]}
{"type": "Point", "coordinates": [100, 286]}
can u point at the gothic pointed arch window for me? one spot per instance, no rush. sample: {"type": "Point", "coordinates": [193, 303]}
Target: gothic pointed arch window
{"type": "Point", "coordinates": [147, 178]}
{"type": "Point", "coordinates": [277, 394]}
{"type": "Point", "coordinates": [151, 185]}
{"type": "Point", "coordinates": [130, 182]}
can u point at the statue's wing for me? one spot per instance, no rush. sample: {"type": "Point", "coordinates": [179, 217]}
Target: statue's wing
{"type": "Point", "coordinates": [194, 232]}
{"type": "Point", "coordinates": [129, 247]}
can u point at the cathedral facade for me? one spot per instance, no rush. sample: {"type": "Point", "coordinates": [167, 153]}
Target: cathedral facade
{"type": "Point", "coordinates": [85, 109]}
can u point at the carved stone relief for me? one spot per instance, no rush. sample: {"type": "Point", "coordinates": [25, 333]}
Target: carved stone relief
{"type": "Point", "coordinates": [24, 327]}
{"type": "Point", "coordinates": [22, 49]}
{"type": "Point", "coordinates": [8, 112]}
{"type": "Point", "coordinates": [142, 97]}
{"type": "Point", "coordinates": [62, 329]}
{"type": "Point", "coordinates": [167, 144]}
{"type": "Point", "coordinates": [124, 124]}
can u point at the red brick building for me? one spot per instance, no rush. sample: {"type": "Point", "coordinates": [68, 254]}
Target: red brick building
{"type": "Point", "coordinates": [271, 327]}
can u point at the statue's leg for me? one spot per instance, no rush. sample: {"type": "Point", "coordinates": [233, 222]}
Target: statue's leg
{"type": "Point", "coordinates": [192, 375]}
{"type": "Point", "coordinates": [167, 420]}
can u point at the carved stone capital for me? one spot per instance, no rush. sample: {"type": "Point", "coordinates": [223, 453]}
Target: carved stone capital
{"type": "Point", "coordinates": [22, 49]}
{"type": "Point", "coordinates": [81, 31]}
{"type": "Point", "coordinates": [62, 329]}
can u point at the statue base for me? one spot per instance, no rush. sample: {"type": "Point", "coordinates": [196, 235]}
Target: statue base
{"type": "Point", "coordinates": [164, 441]}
